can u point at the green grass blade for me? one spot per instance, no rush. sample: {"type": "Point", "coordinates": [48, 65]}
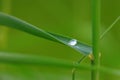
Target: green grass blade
{"type": "Point", "coordinates": [16, 23]}
{"type": "Point", "coordinates": [109, 28]}
{"type": "Point", "coordinates": [22, 59]}
{"type": "Point", "coordinates": [15, 58]}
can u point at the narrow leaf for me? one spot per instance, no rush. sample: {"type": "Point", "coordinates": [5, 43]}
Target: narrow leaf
{"type": "Point", "coordinates": [19, 24]}
{"type": "Point", "coordinates": [22, 59]}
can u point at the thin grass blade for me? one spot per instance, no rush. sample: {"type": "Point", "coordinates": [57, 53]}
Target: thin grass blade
{"type": "Point", "coordinates": [19, 24]}
{"type": "Point", "coordinates": [22, 59]}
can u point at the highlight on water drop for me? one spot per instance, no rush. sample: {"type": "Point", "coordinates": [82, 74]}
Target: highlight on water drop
{"type": "Point", "coordinates": [72, 42]}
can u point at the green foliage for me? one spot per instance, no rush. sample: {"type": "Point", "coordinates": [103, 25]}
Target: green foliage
{"type": "Point", "coordinates": [13, 22]}
{"type": "Point", "coordinates": [69, 17]}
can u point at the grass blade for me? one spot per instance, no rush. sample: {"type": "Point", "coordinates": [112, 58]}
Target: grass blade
{"type": "Point", "coordinates": [109, 28]}
{"type": "Point", "coordinates": [16, 23]}
{"type": "Point", "coordinates": [15, 58]}
{"type": "Point", "coordinates": [22, 59]}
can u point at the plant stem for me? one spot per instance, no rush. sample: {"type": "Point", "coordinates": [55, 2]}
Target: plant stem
{"type": "Point", "coordinates": [95, 37]}
{"type": "Point", "coordinates": [109, 28]}
{"type": "Point", "coordinates": [74, 69]}
{"type": "Point", "coordinates": [6, 8]}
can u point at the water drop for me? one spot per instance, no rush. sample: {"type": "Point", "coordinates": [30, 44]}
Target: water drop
{"type": "Point", "coordinates": [72, 42]}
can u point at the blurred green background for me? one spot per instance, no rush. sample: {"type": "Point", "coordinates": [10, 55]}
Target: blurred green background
{"type": "Point", "coordinates": [68, 17]}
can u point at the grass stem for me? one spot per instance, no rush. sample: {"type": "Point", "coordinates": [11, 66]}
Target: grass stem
{"type": "Point", "coordinates": [109, 28]}
{"type": "Point", "coordinates": [74, 69]}
{"type": "Point", "coordinates": [95, 37]}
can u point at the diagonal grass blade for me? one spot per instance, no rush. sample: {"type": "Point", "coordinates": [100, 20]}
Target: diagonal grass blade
{"type": "Point", "coordinates": [19, 24]}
